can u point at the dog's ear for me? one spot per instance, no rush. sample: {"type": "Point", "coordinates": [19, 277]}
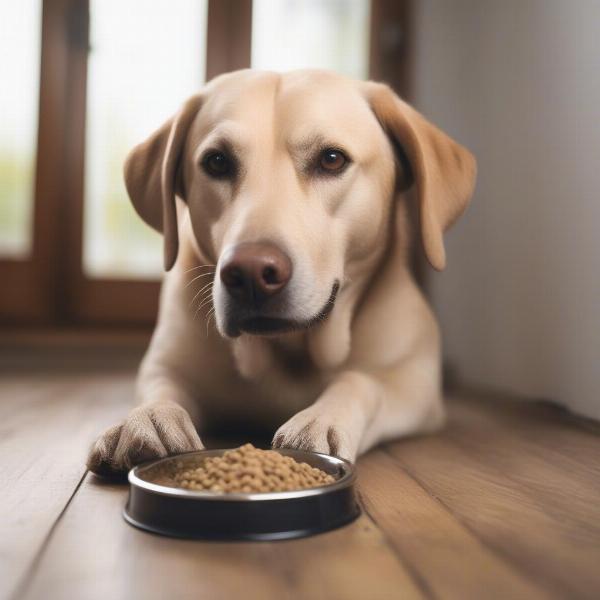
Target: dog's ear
{"type": "Point", "coordinates": [442, 170]}
{"type": "Point", "coordinates": [152, 178]}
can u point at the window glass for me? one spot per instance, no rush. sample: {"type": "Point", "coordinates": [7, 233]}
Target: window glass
{"type": "Point", "coordinates": [294, 34]}
{"type": "Point", "coordinates": [146, 58]}
{"type": "Point", "coordinates": [20, 38]}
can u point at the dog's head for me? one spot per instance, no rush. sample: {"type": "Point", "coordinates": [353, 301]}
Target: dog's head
{"type": "Point", "coordinates": [290, 181]}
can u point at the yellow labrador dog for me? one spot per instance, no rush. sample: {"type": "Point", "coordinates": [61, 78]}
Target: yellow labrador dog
{"type": "Point", "coordinates": [288, 299]}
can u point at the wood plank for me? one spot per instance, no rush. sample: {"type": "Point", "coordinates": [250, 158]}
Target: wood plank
{"type": "Point", "coordinates": [29, 286]}
{"type": "Point", "coordinates": [93, 554]}
{"type": "Point", "coordinates": [562, 468]}
{"type": "Point", "coordinates": [503, 503]}
{"type": "Point", "coordinates": [566, 441]}
{"type": "Point", "coordinates": [36, 390]}
{"type": "Point", "coordinates": [517, 501]}
{"type": "Point", "coordinates": [48, 424]}
{"type": "Point", "coordinates": [448, 560]}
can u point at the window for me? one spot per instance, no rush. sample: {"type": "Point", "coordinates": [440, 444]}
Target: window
{"type": "Point", "coordinates": [145, 59]}
{"type": "Point", "coordinates": [20, 27]}
{"type": "Point", "coordinates": [297, 34]}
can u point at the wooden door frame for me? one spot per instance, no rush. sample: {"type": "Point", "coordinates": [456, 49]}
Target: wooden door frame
{"type": "Point", "coordinates": [390, 46]}
{"type": "Point", "coordinates": [33, 285]}
{"type": "Point", "coordinates": [391, 59]}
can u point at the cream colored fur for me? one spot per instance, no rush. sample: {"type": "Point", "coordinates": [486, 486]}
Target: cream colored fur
{"type": "Point", "coordinates": [371, 370]}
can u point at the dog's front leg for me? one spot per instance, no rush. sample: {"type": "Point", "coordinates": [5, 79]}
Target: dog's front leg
{"type": "Point", "coordinates": [158, 427]}
{"type": "Point", "coordinates": [336, 422]}
{"type": "Point", "coordinates": [359, 410]}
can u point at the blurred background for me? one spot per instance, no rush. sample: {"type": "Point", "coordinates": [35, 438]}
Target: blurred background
{"type": "Point", "coordinates": [518, 82]}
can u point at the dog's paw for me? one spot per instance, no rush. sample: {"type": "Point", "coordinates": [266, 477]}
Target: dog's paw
{"type": "Point", "coordinates": [317, 431]}
{"type": "Point", "coordinates": [150, 431]}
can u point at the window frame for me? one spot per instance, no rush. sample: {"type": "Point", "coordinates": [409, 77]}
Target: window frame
{"type": "Point", "coordinates": [33, 285]}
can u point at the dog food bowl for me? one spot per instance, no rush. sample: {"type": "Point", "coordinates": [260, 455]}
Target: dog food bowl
{"type": "Point", "coordinates": [177, 512]}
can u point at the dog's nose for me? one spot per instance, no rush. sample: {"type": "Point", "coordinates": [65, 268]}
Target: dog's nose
{"type": "Point", "coordinates": [254, 271]}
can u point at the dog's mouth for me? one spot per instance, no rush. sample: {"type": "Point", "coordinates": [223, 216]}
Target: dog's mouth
{"type": "Point", "coordinates": [266, 325]}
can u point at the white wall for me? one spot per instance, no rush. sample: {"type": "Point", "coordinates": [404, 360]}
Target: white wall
{"type": "Point", "coordinates": [518, 82]}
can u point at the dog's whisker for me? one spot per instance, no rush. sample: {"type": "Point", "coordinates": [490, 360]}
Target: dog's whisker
{"type": "Point", "coordinates": [202, 305]}
{"type": "Point", "coordinates": [196, 313]}
{"type": "Point", "coordinates": [207, 294]}
{"type": "Point", "coordinates": [209, 268]}
{"type": "Point", "coordinates": [211, 273]}
{"type": "Point", "coordinates": [206, 302]}
{"type": "Point", "coordinates": [198, 277]}
{"type": "Point", "coordinates": [205, 268]}
{"type": "Point", "coordinates": [209, 316]}
{"type": "Point", "coordinates": [199, 267]}
{"type": "Point", "coordinates": [208, 285]}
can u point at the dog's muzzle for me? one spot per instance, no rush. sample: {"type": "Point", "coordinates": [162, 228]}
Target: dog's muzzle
{"type": "Point", "coordinates": [255, 277]}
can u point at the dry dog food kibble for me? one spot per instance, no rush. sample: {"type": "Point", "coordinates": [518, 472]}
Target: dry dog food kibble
{"type": "Point", "coordinates": [249, 469]}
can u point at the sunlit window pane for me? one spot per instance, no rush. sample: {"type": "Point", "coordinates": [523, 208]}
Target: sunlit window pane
{"type": "Point", "coordinates": [146, 58]}
{"type": "Point", "coordinates": [20, 37]}
{"type": "Point", "coordinates": [324, 34]}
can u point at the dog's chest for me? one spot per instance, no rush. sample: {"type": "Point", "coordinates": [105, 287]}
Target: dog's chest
{"type": "Point", "coordinates": [283, 382]}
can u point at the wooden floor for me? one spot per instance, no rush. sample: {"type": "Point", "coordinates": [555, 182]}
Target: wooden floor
{"type": "Point", "coordinates": [505, 503]}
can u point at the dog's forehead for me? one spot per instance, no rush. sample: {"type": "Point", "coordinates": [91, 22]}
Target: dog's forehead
{"type": "Point", "coordinates": [233, 94]}
{"type": "Point", "coordinates": [323, 102]}
{"type": "Point", "coordinates": [297, 105]}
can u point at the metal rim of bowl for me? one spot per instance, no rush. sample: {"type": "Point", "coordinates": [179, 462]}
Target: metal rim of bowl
{"type": "Point", "coordinates": [347, 479]}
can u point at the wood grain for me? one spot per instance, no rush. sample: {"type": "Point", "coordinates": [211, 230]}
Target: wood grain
{"type": "Point", "coordinates": [95, 554]}
{"type": "Point", "coordinates": [501, 504]}
{"type": "Point", "coordinates": [515, 495]}
{"type": "Point", "coordinates": [47, 426]}
{"type": "Point", "coordinates": [448, 559]}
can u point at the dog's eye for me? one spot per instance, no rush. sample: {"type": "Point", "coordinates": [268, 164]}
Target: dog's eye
{"type": "Point", "coordinates": [217, 164]}
{"type": "Point", "coordinates": [332, 161]}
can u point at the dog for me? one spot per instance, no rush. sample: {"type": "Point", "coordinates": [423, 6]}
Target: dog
{"type": "Point", "coordinates": [287, 204]}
